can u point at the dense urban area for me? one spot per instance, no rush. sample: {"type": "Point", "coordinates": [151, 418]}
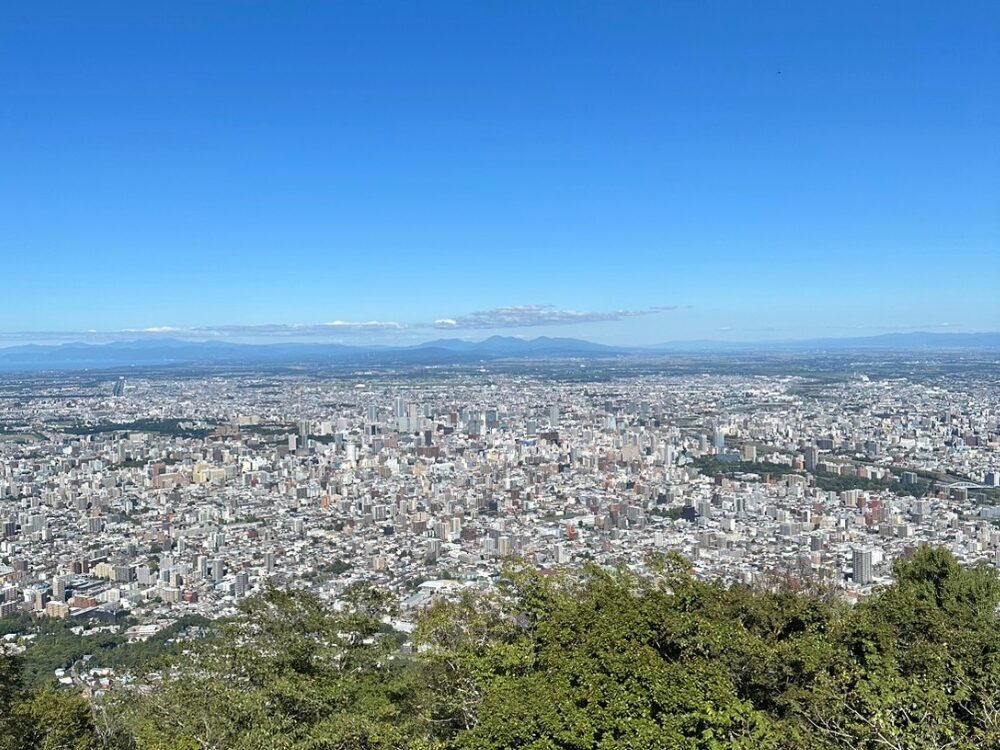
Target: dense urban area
{"type": "Point", "coordinates": [142, 512]}
{"type": "Point", "coordinates": [150, 499]}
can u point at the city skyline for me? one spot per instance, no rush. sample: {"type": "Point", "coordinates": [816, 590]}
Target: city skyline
{"type": "Point", "coordinates": [449, 375]}
{"type": "Point", "coordinates": [778, 172]}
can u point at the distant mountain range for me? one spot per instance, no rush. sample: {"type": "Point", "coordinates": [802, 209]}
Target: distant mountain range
{"type": "Point", "coordinates": [166, 352]}
{"type": "Point", "coordinates": [916, 341]}
{"type": "Point", "coordinates": [154, 352]}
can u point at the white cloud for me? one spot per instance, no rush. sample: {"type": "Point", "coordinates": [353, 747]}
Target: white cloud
{"type": "Point", "coordinates": [368, 325]}
{"type": "Point", "coordinates": [529, 316]}
{"type": "Point", "coordinates": [514, 316]}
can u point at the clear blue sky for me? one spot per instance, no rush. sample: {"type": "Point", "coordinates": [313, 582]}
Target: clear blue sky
{"type": "Point", "coordinates": [770, 170]}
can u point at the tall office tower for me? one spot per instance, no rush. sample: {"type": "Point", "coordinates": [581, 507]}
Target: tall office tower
{"type": "Point", "coordinates": [554, 415]}
{"type": "Point", "coordinates": [119, 388]}
{"type": "Point", "coordinates": [433, 549]}
{"type": "Point", "coordinates": [400, 407]}
{"type": "Point", "coordinates": [667, 451]}
{"type": "Point", "coordinates": [217, 570]}
{"type": "Point", "coordinates": [862, 564]}
{"type": "Point", "coordinates": [59, 588]}
{"type": "Point", "coordinates": [218, 540]}
{"type": "Point", "coordinates": [505, 546]}
{"type": "Point", "coordinates": [811, 457]}
{"type": "Point", "coordinates": [242, 584]}
{"type": "Point", "coordinates": [718, 439]}
{"type": "Point", "coordinates": [293, 443]}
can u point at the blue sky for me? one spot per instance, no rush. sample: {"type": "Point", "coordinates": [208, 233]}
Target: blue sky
{"type": "Point", "coordinates": [623, 172]}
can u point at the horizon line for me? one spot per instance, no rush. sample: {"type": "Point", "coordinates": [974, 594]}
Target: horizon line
{"type": "Point", "coordinates": [59, 339]}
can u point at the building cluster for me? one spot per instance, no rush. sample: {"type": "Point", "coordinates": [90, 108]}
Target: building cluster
{"type": "Point", "coordinates": [153, 498]}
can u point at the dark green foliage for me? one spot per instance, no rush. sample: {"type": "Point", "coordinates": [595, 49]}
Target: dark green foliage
{"type": "Point", "coordinates": [610, 660]}
{"type": "Point", "coordinates": [711, 466]}
{"type": "Point", "coordinates": [825, 480]}
{"type": "Point", "coordinates": [585, 660]}
{"type": "Point", "coordinates": [286, 674]}
{"type": "Point", "coordinates": [56, 646]}
{"type": "Point", "coordinates": [168, 427]}
{"type": "Point", "coordinates": [154, 651]}
{"type": "Point", "coordinates": [43, 720]}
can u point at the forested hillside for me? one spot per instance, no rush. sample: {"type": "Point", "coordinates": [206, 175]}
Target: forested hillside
{"type": "Point", "coordinates": [574, 661]}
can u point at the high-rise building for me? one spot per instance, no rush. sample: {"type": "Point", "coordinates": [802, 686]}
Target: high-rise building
{"type": "Point", "coordinates": [242, 584]}
{"type": "Point", "coordinates": [862, 567]}
{"type": "Point", "coordinates": [59, 587]}
{"type": "Point", "coordinates": [810, 457]}
{"type": "Point", "coordinates": [718, 439]}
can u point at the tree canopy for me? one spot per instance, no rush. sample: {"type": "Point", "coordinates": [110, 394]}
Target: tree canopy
{"type": "Point", "coordinates": [590, 659]}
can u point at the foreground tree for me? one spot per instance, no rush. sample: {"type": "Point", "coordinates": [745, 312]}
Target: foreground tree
{"type": "Point", "coordinates": [917, 665]}
{"type": "Point", "coordinates": [598, 664]}
{"type": "Point", "coordinates": [610, 660]}
{"type": "Point", "coordinates": [42, 720]}
{"type": "Point", "coordinates": [288, 674]}
{"type": "Point", "coordinates": [583, 660]}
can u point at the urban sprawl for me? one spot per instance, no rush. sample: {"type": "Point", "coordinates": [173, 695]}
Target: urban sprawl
{"type": "Point", "coordinates": [129, 503]}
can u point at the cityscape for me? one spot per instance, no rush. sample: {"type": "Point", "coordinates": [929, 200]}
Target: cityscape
{"type": "Point", "coordinates": [145, 499]}
{"type": "Point", "coordinates": [499, 376]}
